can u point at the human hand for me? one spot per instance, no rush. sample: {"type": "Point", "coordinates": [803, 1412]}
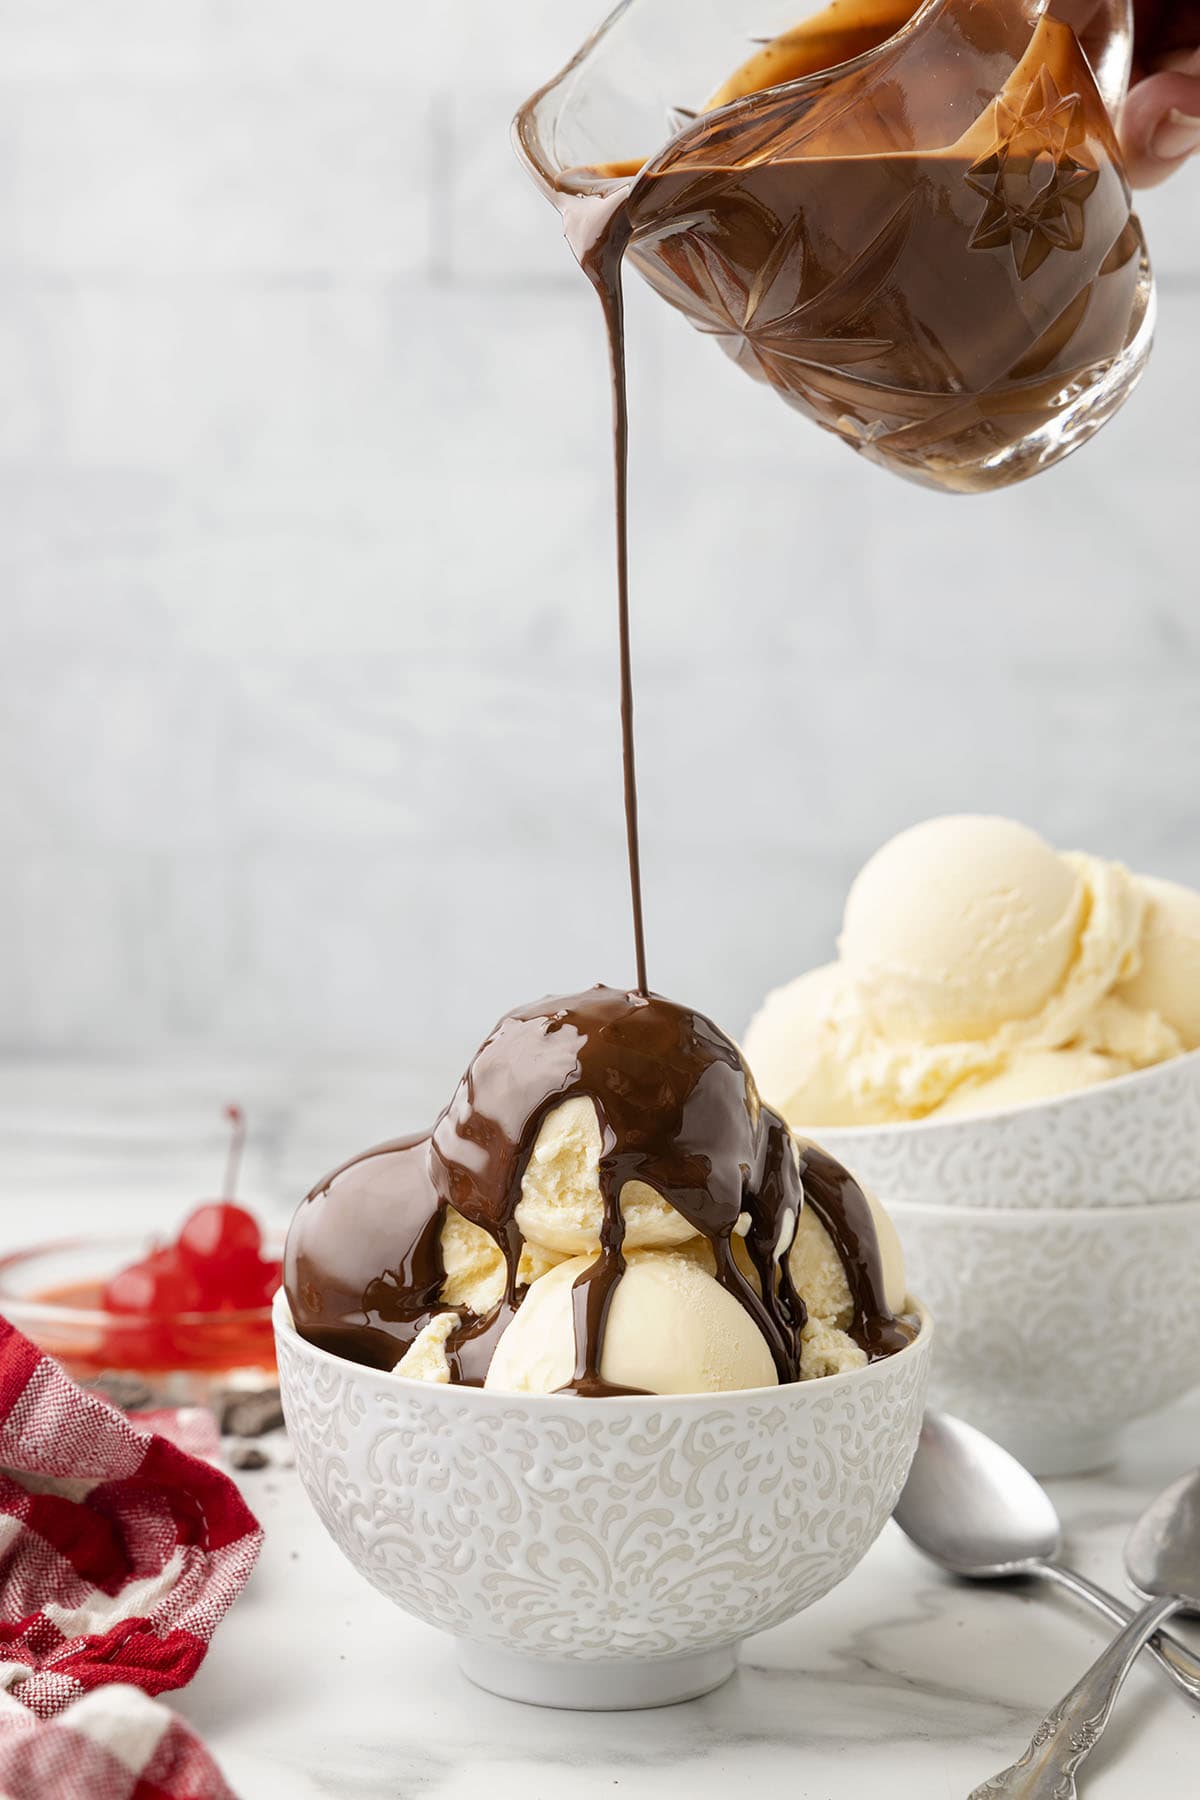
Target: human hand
{"type": "Point", "coordinates": [1160, 126]}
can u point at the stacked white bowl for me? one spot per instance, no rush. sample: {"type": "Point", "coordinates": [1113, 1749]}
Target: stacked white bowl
{"type": "Point", "coordinates": [1058, 1247]}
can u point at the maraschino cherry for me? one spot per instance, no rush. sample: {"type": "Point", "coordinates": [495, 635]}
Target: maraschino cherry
{"type": "Point", "coordinates": [158, 1287]}
{"type": "Point", "coordinates": [215, 1265]}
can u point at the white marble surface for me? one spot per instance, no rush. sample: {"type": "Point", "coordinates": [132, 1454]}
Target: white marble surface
{"type": "Point", "coordinates": [900, 1684]}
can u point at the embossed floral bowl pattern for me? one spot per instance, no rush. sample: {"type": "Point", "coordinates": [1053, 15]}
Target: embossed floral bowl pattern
{"type": "Point", "coordinates": [606, 1553]}
{"type": "Point", "coordinates": [1057, 1329]}
{"type": "Point", "coordinates": [1130, 1142]}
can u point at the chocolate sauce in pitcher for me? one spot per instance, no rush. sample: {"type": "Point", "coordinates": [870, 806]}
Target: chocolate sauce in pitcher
{"type": "Point", "coordinates": [936, 280]}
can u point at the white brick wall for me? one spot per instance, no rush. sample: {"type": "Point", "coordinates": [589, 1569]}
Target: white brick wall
{"type": "Point", "coordinates": [306, 703]}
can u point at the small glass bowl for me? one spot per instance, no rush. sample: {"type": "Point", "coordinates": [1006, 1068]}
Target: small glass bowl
{"type": "Point", "coordinates": [52, 1293]}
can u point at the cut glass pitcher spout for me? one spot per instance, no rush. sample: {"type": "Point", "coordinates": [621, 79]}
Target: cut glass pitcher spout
{"type": "Point", "coordinates": [910, 220]}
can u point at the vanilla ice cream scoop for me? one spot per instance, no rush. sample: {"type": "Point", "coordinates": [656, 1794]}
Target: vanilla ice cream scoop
{"type": "Point", "coordinates": [1033, 1075]}
{"type": "Point", "coordinates": [800, 1047]}
{"type": "Point", "coordinates": [959, 926]}
{"type": "Point", "coordinates": [473, 1284]}
{"type": "Point", "coordinates": [980, 969]}
{"type": "Point", "coordinates": [561, 1209]}
{"type": "Point", "coordinates": [474, 1266]}
{"type": "Point", "coordinates": [1168, 979]}
{"type": "Point", "coordinates": [820, 1275]}
{"type": "Point", "coordinates": [672, 1329]}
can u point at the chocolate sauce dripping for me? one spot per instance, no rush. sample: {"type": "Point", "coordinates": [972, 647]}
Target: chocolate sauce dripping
{"type": "Point", "coordinates": [364, 1270]}
{"type": "Point", "coordinates": [773, 1222]}
{"type": "Point", "coordinates": [471, 1345]}
{"type": "Point", "coordinates": [363, 1264]}
{"type": "Point", "coordinates": [845, 1212]}
{"type": "Point", "coordinates": [678, 1111]}
{"type": "Point", "coordinates": [592, 1299]}
{"type": "Point", "coordinates": [598, 230]}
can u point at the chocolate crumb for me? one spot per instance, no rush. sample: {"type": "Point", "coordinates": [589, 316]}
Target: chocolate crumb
{"type": "Point", "coordinates": [251, 1415]}
{"type": "Point", "coordinates": [248, 1458]}
{"type": "Point", "coordinates": [129, 1392]}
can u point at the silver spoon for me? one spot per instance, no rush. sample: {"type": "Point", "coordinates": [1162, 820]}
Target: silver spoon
{"type": "Point", "coordinates": [1163, 1561]}
{"type": "Point", "coordinates": [973, 1509]}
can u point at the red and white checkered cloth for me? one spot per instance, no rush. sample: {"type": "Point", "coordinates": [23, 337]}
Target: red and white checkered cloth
{"type": "Point", "coordinates": [119, 1556]}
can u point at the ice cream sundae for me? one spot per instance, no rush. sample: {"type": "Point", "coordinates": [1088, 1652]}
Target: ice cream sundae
{"type": "Point", "coordinates": [605, 1207]}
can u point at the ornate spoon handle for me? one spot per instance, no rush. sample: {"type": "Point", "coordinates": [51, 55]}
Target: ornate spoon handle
{"type": "Point", "coordinates": [1069, 1735]}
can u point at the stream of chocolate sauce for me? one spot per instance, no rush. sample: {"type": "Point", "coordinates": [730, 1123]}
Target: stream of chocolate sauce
{"type": "Point", "coordinates": [598, 231]}
{"type": "Point", "coordinates": [598, 227]}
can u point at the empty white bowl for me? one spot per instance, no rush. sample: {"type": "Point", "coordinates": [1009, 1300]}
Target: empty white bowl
{"type": "Point", "coordinates": [601, 1554]}
{"type": "Point", "coordinates": [1125, 1143]}
{"type": "Point", "coordinates": [1057, 1329]}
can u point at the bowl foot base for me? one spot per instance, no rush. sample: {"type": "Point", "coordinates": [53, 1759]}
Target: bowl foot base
{"type": "Point", "coordinates": [596, 1686]}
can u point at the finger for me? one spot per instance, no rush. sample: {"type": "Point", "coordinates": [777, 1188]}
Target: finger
{"type": "Point", "coordinates": [1160, 126]}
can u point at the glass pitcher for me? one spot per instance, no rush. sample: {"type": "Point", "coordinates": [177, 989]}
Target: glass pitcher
{"type": "Point", "coordinates": [910, 220]}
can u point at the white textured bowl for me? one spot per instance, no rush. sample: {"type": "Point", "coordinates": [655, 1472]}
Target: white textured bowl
{"type": "Point", "coordinates": [1126, 1143]}
{"type": "Point", "coordinates": [1057, 1329]}
{"type": "Point", "coordinates": [601, 1553]}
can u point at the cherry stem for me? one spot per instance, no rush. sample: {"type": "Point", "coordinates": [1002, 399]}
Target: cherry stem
{"type": "Point", "coordinates": [237, 1140]}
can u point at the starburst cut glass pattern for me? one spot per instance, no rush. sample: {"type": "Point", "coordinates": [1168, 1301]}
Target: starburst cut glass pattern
{"type": "Point", "coordinates": [787, 318]}
{"type": "Point", "coordinates": [1038, 180]}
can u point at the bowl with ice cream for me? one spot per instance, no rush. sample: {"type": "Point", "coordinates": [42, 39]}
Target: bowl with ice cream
{"type": "Point", "coordinates": [608, 1371]}
{"type": "Point", "coordinates": [1004, 1027]}
{"type": "Point", "coordinates": [1008, 1030]}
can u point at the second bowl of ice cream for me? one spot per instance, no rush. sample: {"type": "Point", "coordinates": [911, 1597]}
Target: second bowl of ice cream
{"type": "Point", "coordinates": [607, 1371]}
{"type": "Point", "coordinates": [1005, 1027]}
{"type": "Point", "coordinates": [1006, 1052]}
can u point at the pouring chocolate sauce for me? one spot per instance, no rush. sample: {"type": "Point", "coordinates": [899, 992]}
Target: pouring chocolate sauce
{"type": "Point", "coordinates": [677, 1107]}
